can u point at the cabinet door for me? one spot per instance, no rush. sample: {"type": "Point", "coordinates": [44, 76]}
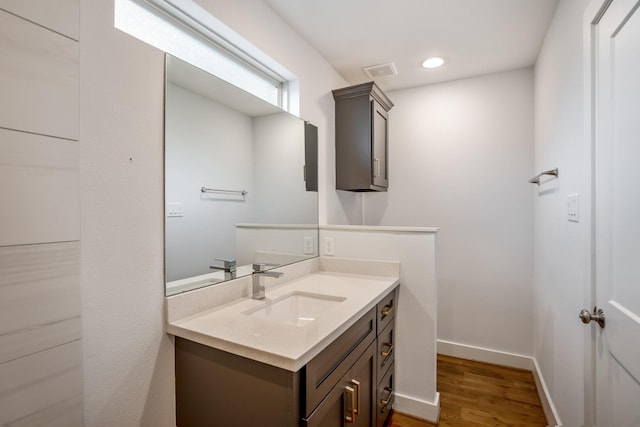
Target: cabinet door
{"type": "Point", "coordinates": [380, 136]}
{"type": "Point", "coordinates": [310, 157]}
{"type": "Point", "coordinates": [331, 412]}
{"type": "Point", "coordinates": [362, 378]}
{"type": "Point", "coordinates": [351, 402]}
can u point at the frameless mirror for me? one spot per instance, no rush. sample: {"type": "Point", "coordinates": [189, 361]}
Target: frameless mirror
{"type": "Point", "coordinates": [240, 181]}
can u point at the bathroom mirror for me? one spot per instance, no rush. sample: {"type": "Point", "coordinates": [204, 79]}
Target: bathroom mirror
{"type": "Point", "coordinates": [240, 181]}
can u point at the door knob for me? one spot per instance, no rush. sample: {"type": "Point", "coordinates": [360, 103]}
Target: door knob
{"type": "Point", "coordinates": [596, 316]}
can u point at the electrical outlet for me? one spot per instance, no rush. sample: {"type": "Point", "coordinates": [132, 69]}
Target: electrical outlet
{"type": "Point", "coordinates": [329, 246]}
{"type": "Point", "coordinates": [308, 245]}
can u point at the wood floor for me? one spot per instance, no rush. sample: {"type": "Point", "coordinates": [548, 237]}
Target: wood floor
{"type": "Point", "coordinates": [475, 394]}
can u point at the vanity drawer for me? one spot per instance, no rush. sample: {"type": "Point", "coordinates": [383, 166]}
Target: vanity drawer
{"type": "Point", "coordinates": [324, 371]}
{"type": "Point", "coordinates": [386, 309]}
{"type": "Point", "coordinates": [384, 397]}
{"type": "Point", "coordinates": [386, 344]}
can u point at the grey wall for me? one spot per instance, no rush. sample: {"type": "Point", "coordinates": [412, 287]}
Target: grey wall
{"type": "Point", "coordinates": [208, 145]}
{"type": "Point", "coordinates": [40, 299]}
{"type": "Point", "coordinates": [281, 195]}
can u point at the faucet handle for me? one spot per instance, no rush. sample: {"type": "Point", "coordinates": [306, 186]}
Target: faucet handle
{"type": "Point", "coordinates": [229, 265]}
{"type": "Point", "coordinates": [262, 266]}
{"type": "Point", "coordinates": [227, 262]}
{"type": "Point", "coordinates": [259, 267]}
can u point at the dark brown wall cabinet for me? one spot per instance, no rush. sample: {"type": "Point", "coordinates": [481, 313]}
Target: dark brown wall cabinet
{"type": "Point", "coordinates": [350, 383]}
{"type": "Point", "coordinates": [310, 157]}
{"type": "Point", "coordinates": [362, 138]}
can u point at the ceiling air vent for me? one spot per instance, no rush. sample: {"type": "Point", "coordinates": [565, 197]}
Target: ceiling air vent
{"type": "Point", "coordinates": [382, 70]}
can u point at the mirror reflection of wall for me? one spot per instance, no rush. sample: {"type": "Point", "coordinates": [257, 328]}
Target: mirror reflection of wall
{"type": "Point", "coordinates": [219, 137]}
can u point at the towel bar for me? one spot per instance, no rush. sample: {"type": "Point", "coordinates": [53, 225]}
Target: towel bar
{"type": "Point", "coordinates": [536, 179]}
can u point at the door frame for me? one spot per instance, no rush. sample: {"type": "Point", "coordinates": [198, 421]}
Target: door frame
{"type": "Point", "coordinates": [592, 16]}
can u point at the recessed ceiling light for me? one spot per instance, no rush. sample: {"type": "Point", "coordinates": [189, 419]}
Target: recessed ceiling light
{"type": "Point", "coordinates": [434, 62]}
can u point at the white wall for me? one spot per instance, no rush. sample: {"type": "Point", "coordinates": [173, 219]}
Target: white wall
{"type": "Point", "coordinates": [255, 21]}
{"type": "Point", "coordinates": [460, 157]}
{"type": "Point", "coordinates": [128, 359]}
{"type": "Point", "coordinates": [561, 247]}
{"type": "Point", "coordinates": [206, 144]}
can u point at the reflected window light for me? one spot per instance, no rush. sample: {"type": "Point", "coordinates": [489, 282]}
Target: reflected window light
{"type": "Point", "coordinates": [147, 23]}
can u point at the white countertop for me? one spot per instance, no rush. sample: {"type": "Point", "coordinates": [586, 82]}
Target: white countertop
{"type": "Point", "coordinates": [287, 346]}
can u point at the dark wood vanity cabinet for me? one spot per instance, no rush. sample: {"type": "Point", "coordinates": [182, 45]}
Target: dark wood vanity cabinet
{"type": "Point", "coordinates": [362, 138]}
{"type": "Point", "coordinates": [310, 157]}
{"type": "Point", "coordinates": [341, 386]}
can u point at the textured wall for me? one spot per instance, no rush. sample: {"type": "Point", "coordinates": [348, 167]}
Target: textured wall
{"type": "Point", "coordinates": [40, 298]}
{"type": "Point", "coordinates": [128, 360]}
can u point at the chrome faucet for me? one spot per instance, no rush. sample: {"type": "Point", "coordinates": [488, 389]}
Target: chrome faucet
{"type": "Point", "coordinates": [257, 286]}
{"type": "Point", "coordinates": [229, 268]}
{"type": "Point", "coordinates": [229, 265]}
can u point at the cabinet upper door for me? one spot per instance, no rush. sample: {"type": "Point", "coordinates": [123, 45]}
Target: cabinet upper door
{"type": "Point", "coordinates": [379, 140]}
{"type": "Point", "coordinates": [362, 135]}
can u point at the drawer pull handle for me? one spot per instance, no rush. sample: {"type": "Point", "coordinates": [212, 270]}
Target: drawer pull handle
{"type": "Point", "coordinates": [357, 390]}
{"type": "Point", "coordinates": [385, 402]}
{"type": "Point", "coordinates": [386, 310]}
{"type": "Point", "coordinates": [350, 417]}
{"type": "Point", "coordinates": [389, 349]}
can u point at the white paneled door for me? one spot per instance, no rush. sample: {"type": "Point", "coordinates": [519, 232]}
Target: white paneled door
{"type": "Point", "coordinates": [616, 108]}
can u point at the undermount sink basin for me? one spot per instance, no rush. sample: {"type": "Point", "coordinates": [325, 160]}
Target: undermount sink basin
{"type": "Point", "coordinates": [296, 308]}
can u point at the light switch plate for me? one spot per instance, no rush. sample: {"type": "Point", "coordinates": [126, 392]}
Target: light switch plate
{"type": "Point", "coordinates": [174, 209]}
{"type": "Point", "coordinates": [573, 204]}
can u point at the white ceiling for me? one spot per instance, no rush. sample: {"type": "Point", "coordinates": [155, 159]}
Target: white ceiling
{"type": "Point", "coordinates": [475, 37]}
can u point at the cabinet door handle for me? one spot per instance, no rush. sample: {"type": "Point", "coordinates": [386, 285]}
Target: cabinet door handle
{"type": "Point", "coordinates": [386, 310]}
{"type": "Point", "coordinates": [389, 349]}
{"type": "Point", "coordinates": [385, 402]}
{"type": "Point", "coordinates": [376, 167]}
{"type": "Point", "coordinates": [357, 389]}
{"type": "Point", "coordinates": [349, 398]}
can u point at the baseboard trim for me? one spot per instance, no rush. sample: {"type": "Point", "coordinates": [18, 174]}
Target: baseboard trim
{"type": "Point", "coordinates": [548, 407]}
{"type": "Point", "coordinates": [504, 358]}
{"type": "Point", "coordinates": [417, 408]}
{"type": "Point", "coordinates": [486, 355]}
